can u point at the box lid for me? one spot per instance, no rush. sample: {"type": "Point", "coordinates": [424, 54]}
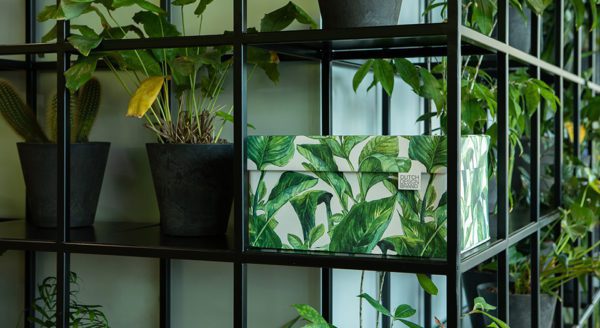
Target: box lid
{"type": "Point", "coordinates": [376, 154]}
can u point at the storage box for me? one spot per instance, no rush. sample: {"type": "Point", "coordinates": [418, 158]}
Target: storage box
{"type": "Point", "coordinates": [363, 194]}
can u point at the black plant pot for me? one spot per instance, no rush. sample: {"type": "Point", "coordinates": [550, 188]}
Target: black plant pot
{"type": "Point", "coordinates": [519, 307]}
{"type": "Point", "coordinates": [194, 187]}
{"type": "Point", "coordinates": [38, 162]}
{"type": "Point", "coordinates": [359, 13]}
{"type": "Point", "coordinates": [470, 280]}
{"type": "Point", "coordinates": [519, 35]}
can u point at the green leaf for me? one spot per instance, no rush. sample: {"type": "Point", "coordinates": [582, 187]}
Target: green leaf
{"type": "Point", "coordinates": [270, 150]}
{"type": "Point", "coordinates": [427, 284]}
{"type": "Point", "coordinates": [202, 7]}
{"type": "Point", "coordinates": [432, 152]}
{"type": "Point", "coordinates": [72, 9]}
{"type": "Point", "coordinates": [481, 304]}
{"type": "Point", "coordinates": [408, 72]}
{"type": "Point", "coordinates": [404, 311]}
{"type": "Point", "coordinates": [383, 145]}
{"type": "Point", "coordinates": [86, 42]}
{"type": "Point", "coordinates": [139, 60]}
{"type": "Point", "coordinates": [81, 72]}
{"type": "Point", "coordinates": [141, 3]}
{"type": "Point", "coordinates": [349, 142]}
{"type": "Point", "coordinates": [432, 89]}
{"type": "Point", "coordinates": [51, 35]}
{"type": "Point", "coordinates": [579, 12]}
{"type": "Point", "coordinates": [309, 314]}
{"type": "Point", "coordinates": [262, 233]}
{"type": "Point", "coordinates": [483, 15]}
{"type": "Point", "coordinates": [281, 18]}
{"type": "Point", "coordinates": [315, 234]}
{"type": "Point", "coordinates": [295, 241]}
{"type": "Point", "coordinates": [155, 26]}
{"type": "Point", "coordinates": [402, 245]}
{"type": "Point", "coordinates": [182, 2]}
{"type": "Point", "coordinates": [363, 226]}
{"type": "Point", "coordinates": [361, 73]}
{"type": "Point", "coordinates": [48, 13]}
{"type": "Point", "coordinates": [409, 324]}
{"type": "Point", "coordinates": [291, 323]}
{"type": "Point", "coordinates": [383, 71]}
{"type": "Point", "coordinates": [532, 98]}
{"type": "Point", "coordinates": [305, 206]}
{"type": "Point", "coordinates": [289, 185]}
{"type": "Point", "coordinates": [375, 304]}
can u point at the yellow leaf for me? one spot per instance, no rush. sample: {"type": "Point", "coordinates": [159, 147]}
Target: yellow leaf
{"type": "Point", "coordinates": [570, 132]}
{"type": "Point", "coordinates": [145, 96]}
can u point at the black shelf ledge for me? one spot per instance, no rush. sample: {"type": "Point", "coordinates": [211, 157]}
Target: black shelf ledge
{"type": "Point", "coordinates": [166, 42]}
{"type": "Point", "coordinates": [12, 65]}
{"type": "Point", "coordinates": [346, 261]}
{"type": "Point", "coordinates": [30, 48]}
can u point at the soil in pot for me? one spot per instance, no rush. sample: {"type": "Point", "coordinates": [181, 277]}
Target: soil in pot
{"type": "Point", "coordinates": [520, 307]}
{"type": "Point", "coordinates": [194, 187]}
{"type": "Point", "coordinates": [359, 13]}
{"type": "Point", "coordinates": [39, 165]}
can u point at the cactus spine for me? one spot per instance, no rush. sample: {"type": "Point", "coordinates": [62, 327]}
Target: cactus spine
{"type": "Point", "coordinates": [18, 115]}
{"type": "Point", "coordinates": [88, 103]}
{"type": "Point", "coordinates": [51, 119]}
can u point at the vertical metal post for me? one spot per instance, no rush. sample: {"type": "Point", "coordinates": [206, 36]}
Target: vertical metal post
{"type": "Point", "coordinates": [165, 293]}
{"type": "Point", "coordinates": [535, 183]}
{"type": "Point", "coordinates": [577, 88]}
{"type": "Point", "coordinates": [558, 130]}
{"type": "Point", "coordinates": [427, 103]}
{"type": "Point", "coordinates": [30, 283]}
{"type": "Point", "coordinates": [386, 298]}
{"type": "Point", "coordinates": [326, 129]}
{"type": "Point", "coordinates": [591, 234]}
{"type": "Point", "coordinates": [503, 155]}
{"type": "Point", "coordinates": [453, 305]}
{"type": "Point", "coordinates": [386, 104]}
{"type": "Point", "coordinates": [240, 133]}
{"type": "Point", "coordinates": [63, 178]}
{"type": "Point", "coordinates": [427, 309]}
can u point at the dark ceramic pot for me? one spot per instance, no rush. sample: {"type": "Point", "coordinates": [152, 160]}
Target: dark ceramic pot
{"type": "Point", "coordinates": [38, 162]}
{"type": "Point", "coordinates": [519, 35]}
{"type": "Point", "coordinates": [470, 280]}
{"type": "Point", "coordinates": [519, 307]}
{"type": "Point", "coordinates": [194, 187]}
{"type": "Point", "coordinates": [359, 13]}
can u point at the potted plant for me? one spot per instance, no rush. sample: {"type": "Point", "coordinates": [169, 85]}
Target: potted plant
{"type": "Point", "coordinates": [38, 155]}
{"type": "Point", "coordinates": [80, 315]}
{"type": "Point", "coordinates": [177, 94]}
{"type": "Point", "coordinates": [339, 14]}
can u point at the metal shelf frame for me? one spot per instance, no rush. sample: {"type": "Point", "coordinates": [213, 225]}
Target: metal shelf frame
{"type": "Point", "coordinates": [450, 39]}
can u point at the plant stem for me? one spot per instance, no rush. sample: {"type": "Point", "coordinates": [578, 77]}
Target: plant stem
{"type": "Point", "coordinates": [360, 304]}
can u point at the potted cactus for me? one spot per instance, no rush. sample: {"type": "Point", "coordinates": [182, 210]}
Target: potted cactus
{"type": "Point", "coordinates": [38, 155]}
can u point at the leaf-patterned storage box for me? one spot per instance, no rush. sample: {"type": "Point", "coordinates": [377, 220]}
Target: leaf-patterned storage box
{"type": "Point", "coordinates": [363, 194]}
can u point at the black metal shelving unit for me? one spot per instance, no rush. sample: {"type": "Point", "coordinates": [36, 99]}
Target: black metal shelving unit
{"type": "Point", "coordinates": [450, 39]}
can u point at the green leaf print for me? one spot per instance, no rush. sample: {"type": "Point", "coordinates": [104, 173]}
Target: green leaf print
{"type": "Point", "coordinates": [402, 245]}
{"type": "Point", "coordinates": [305, 206]}
{"type": "Point", "coordinates": [262, 234]}
{"type": "Point", "coordinates": [289, 185]}
{"type": "Point", "coordinates": [270, 150]}
{"type": "Point", "coordinates": [382, 145]}
{"type": "Point", "coordinates": [432, 152]}
{"type": "Point", "coordinates": [380, 163]}
{"type": "Point", "coordinates": [315, 234]}
{"type": "Point", "coordinates": [349, 142]}
{"type": "Point", "coordinates": [363, 226]}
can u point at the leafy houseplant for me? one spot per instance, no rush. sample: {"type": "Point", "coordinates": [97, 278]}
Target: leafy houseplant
{"type": "Point", "coordinates": [80, 315]}
{"type": "Point", "coordinates": [177, 93]}
{"type": "Point", "coordinates": [38, 154]}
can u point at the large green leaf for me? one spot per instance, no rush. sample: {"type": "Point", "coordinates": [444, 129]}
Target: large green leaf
{"type": "Point", "coordinates": [363, 226]}
{"type": "Point", "coordinates": [349, 142]}
{"type": "Point", "coordinates": [427, 284]}
{"type": "Point", "coordinates": [383, 72]}
{"type": "Point", "coordinates": [281, 18]}
{"type": "Point", "coordinates": [85, 42]}
{"type": "Point", "coordinates": [138, 60]}
{"type": "Point", "coordinates": [375, 304]}
{"type": "Point", "coordinates": [361, 73]}
{"type": "Point", "coordinates": [409, 73]}
{"type": "Point", "coordinates": [402, 245]}
{"type": "Point", "coordinates": [81, 72]}
{"type": "Point", "coordinates": [270, 150]}
{"type": "Point", "coordinates": [202, 7]}
{"type": "Point", "coordinates": [262, 233]}
{"type": "Point", "coordinates": [310, 314]}
{"type": "Point", "coordinates": [144, 4]}
{"type": "Point", "coordinates": [289, 185]}
{"type": "Point", "coordinates": [72, 9]}
{"type": "Point", "coordinates": [155, 26]}
{"type": "Point", "coordinates": [432, 152]}
{"type": "Point", "coordinates": [377, 168]}
{"type": "Point", "coordinates": [305, 206]}
{"type": "Point", "coordinates": [383, 145]}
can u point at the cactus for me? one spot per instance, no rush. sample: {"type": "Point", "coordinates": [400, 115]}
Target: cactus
{"type": "Point", "coordinates": [20, 117]}
{"type": "Point", "coordinates": [51, 119]}
{"type": "Point", "coordinates": [88, 102]}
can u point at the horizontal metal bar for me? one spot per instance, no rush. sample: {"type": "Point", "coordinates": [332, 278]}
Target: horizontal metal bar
{"type": "Point", "coordinates": [409, 52]}
{"type": "Point", "coordinates": [167, 42]}
{"type": "Point", "coordinates": [589, 311]}
{"type": "Point", "coordinates": [522, 233]}
{"type": "Point", "coordinates": [358, 33]}
{"type": "Point", "coordinates": [28, 245]}
{"type": "Point", "coordinates": [9, 64]}
{"type": "Point", "coordinates": [353, 262]}
{"type": "Point", "coordinates": [492, 44]}
{"type": "Point", "coordinates": [30, 48]}
{"type": "Point", "coordinates": [153, 252]}
{"type": "Point", "coordinates": [473, 260]}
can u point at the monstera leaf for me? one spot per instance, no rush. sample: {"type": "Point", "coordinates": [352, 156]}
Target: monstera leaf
{"type": "Point", "coordinates": [432, 152]}
{"type": "Point", "coordinates": [305, 206]}
{"type": "Point", "coordinates": [363, 226]}
{"type": "Point", "coordinates": [270, 150]}
{"type": "Point", "coordinates": [290, 184]}
{"type": "Point", "coordinates": [321, 163]}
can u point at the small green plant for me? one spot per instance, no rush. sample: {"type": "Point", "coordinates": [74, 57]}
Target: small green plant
{"type": "Point", "coordinates": [84, 109]}
{"type": "Point", "coordinates": [80, 315]}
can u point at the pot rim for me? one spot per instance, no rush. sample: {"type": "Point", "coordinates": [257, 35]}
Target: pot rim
{"type": "Point", "coordinates": [157, 144]}
{"type": "Point", "coordinates": [490, 284]}
{"type": "Point", "coordinates": [41, 144]}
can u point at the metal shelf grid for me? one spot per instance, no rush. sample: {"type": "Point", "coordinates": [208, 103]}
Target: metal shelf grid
{"type": "Point", "coordinates": [450, 39]}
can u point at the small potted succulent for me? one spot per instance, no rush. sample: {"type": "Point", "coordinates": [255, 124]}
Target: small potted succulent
{"type": "Point", "coordinates": [38, 155]}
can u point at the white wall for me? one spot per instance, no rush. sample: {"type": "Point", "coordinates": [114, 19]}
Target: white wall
{"type": "Point", "coordinates": [202, 292]}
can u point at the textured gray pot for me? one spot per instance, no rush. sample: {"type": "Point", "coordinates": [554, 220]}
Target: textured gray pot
{"type": "Point", "coordinates": [38, 162]}
{"type": "Point", "coordinates": [359, 13]}
{"type": "Point", "coordinates": [194, 187]}
{"type": "Point", "coordinates": [520, 307]}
